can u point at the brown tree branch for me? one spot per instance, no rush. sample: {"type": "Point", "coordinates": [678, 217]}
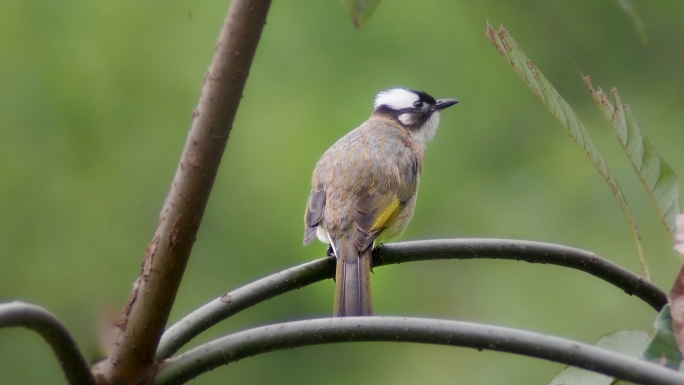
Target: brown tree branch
{"type": "Point", "coordinates": [150, 301]}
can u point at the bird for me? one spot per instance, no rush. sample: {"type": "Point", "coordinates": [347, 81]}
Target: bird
{"type": "Point", "coordinates": [364, 189]}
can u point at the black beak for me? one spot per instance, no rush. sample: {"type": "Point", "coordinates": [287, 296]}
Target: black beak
{"type": "Point", "coordinates": [444, 103]}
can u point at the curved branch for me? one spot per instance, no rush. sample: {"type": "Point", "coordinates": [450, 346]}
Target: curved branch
{"type": "Point", "coordinates": [528, 251]}
{"type": "Point", "coordinates": [299, 276]}
{"type": "Point", "coordinates": [149, 304]}
{"type": "Point", "coordinates": [55, 334]}
{"type": "Point", "coordinates": [240, 299]}
{"type": "Point", "coordinates": [439, 332]}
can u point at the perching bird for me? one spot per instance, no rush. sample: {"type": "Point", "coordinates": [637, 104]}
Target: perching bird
{"type": "Point", "coordinates": [364, 188]}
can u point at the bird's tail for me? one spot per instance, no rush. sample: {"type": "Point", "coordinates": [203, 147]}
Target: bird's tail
{"type": "Point", "coordinates": [352, 277]}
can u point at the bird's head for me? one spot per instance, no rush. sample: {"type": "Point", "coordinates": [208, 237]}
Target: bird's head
{"type": "Point", "coordinates": [416, 111]}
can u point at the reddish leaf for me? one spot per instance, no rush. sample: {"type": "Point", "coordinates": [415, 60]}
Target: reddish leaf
{"type": "Point", "coordinates": [676, 296]}
{"type": "Point", "coordinates": [679, 234]}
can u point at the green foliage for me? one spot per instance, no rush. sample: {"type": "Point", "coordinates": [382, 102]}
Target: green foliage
{"type": "Point", "coordinates": [95, 104]}
{"type": "Point", "coordinates": [663, 348]}
{"type": "Point", "coordinates": [630, 8]}
{"type": "Point", "coordinates": [628, 342]}
{"type": "Point", "coordinates": [360, 10]}
{"type": "Point", "coordinates": [658, 178]}
{"type": "Point", "coordinates": [562, 111]}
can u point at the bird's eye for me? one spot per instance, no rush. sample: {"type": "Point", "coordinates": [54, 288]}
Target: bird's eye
{"type": "Point", "coordinates": [418, 104]}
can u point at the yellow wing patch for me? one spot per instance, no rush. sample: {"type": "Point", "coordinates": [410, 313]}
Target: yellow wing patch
{"type": "Point", "coordinates": [384, 216]}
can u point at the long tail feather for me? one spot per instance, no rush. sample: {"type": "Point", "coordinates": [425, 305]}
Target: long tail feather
{"type": "Point", "coordinates": [352, 291]}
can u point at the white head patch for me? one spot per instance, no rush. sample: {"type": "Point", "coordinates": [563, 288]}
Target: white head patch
{"type": "Point", "coordinates": [396, 99]}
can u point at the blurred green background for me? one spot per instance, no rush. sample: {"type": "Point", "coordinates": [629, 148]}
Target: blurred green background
{"type": "Point", "coordinates": [96, 99]}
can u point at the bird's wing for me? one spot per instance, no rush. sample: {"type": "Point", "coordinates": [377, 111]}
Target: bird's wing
{"type": "Point", "coordinates": [314, 213]}
{"type": "Point", "coordinates": [373, 214]}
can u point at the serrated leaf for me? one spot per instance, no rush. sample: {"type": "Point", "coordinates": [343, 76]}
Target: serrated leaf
{"type": "Point", "coordinates": [628, 342]}
{"type": "Point", "coordinates": [360, 10]}
{"type": "Point", "coordinates": [657, 177]}
{"type": "Point", "coordinates": [561, 110]}
{"type": "Point", "coordinates": [629, 8]}
{"type": "Point", "coordinates": [576, 376]}
{"type": "Point", "coordinates": [663, 348]}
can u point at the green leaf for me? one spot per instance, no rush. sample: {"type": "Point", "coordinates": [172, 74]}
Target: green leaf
{"type": "Point", "coordinates": [658, 178]}
{"type": "Point", "coordinates": [628, 342]}
{"type": "Point", "coordinates": [561, 110]}
{"type": "Point", "coordinates": [576, 376]}
{"type": "Point", "coordinates": [629, 7]}
{"type": "Point", "coordinates": [663, 348]}
{"type": "Point", "coordinates": [360, 10]}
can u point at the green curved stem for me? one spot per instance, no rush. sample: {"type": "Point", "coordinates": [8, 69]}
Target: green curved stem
{"type": "Point", "coordinates": [527, 251]}
{"type": "Point", "coordinates": [240, 299]}
{"type": "Point", "coordinates": [290, 335]}
{"type": "Point", "coordinates": [41, 321]}
{"type": "Point", "coordinates": [299, 276]}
